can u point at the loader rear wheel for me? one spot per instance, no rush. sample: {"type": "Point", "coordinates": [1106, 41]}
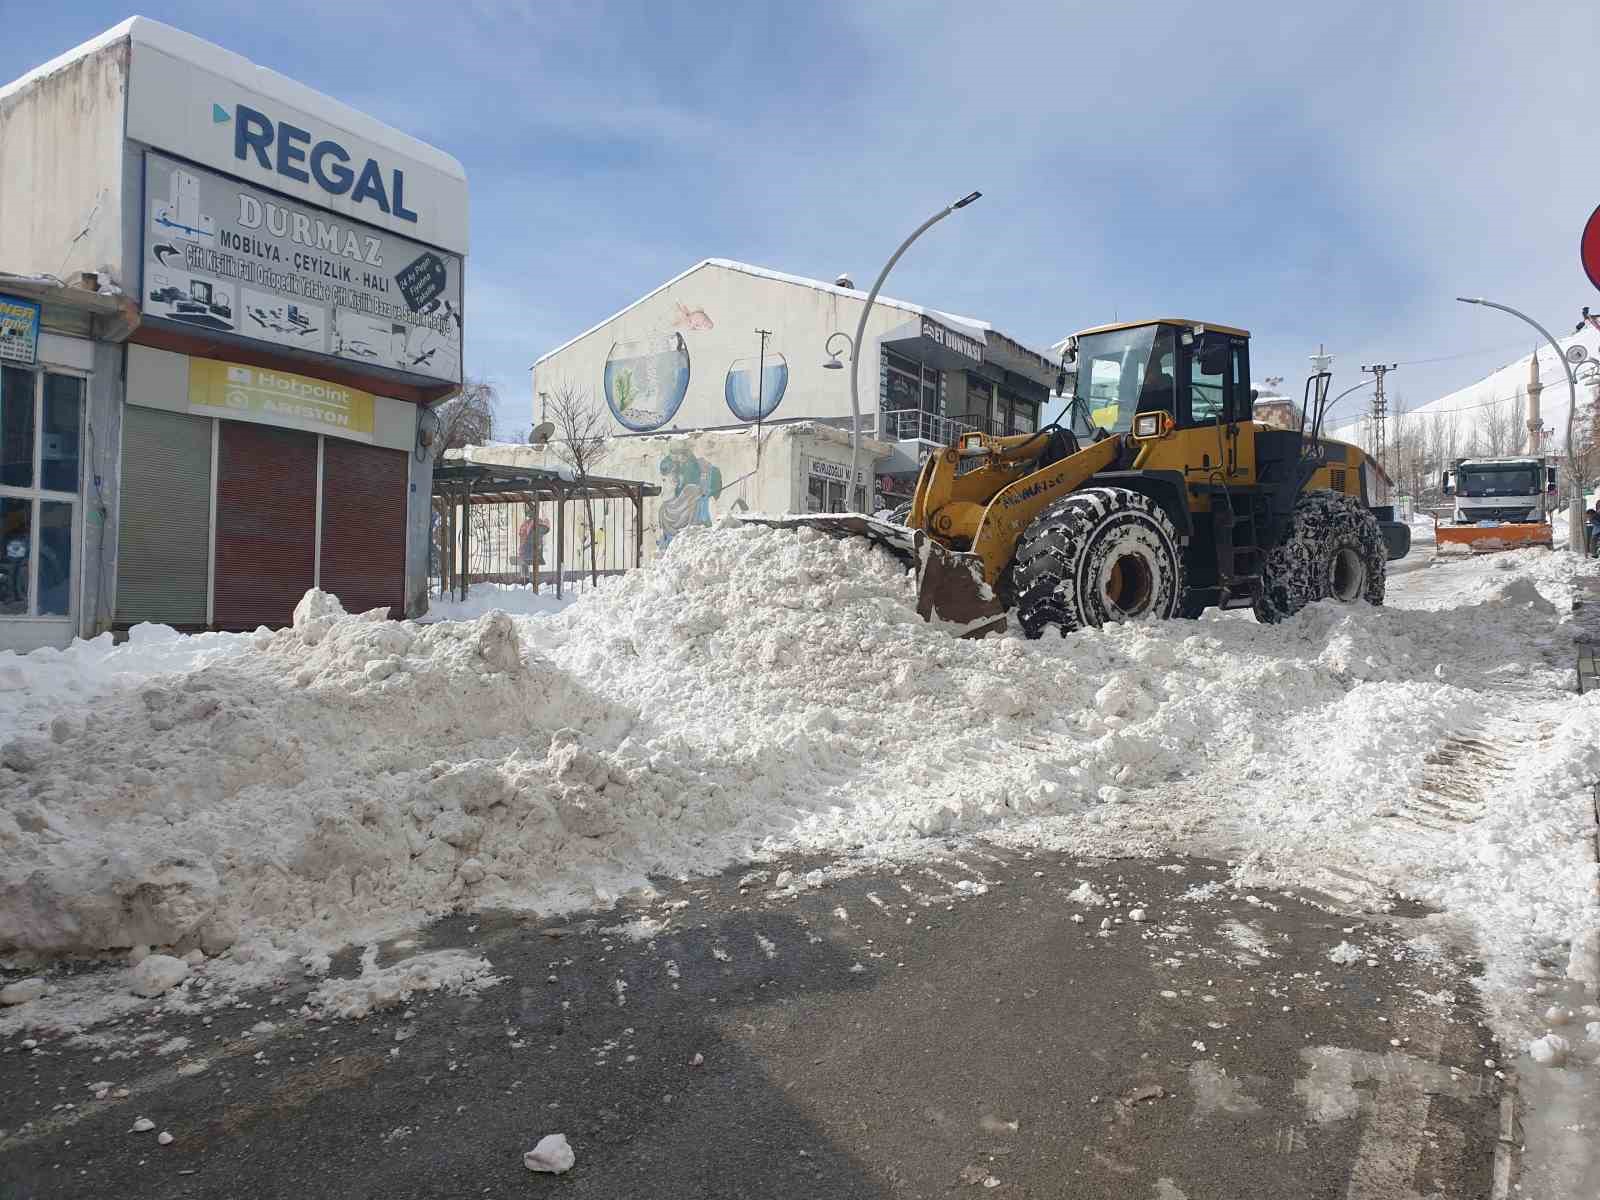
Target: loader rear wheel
{"type": "Point", "coordinates": [1101, 554]}
{"type": "Point", "coordinates": [1333, 550]}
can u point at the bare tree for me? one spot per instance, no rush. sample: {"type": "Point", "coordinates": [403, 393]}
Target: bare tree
{"type": "Point", "coordinates": [1500, 426]}
{"type": "Point", "coordinates": [582, 439]}
{"type": "Point", "coordinates": [467, 419]}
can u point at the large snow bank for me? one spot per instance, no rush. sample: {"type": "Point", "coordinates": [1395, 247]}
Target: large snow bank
{"type": "Point", "coordinates": [757, 689]}
{"type": "Point", "coordinates": [35, 686]}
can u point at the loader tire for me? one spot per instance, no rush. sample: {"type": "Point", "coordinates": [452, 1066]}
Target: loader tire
{"type": "Point", "coordinates": [1332, 550]}
{"type": "Point", "coordinates": [1100, 554]}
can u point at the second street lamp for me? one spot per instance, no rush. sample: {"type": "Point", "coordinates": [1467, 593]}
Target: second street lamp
{"type": "Point", "coordinates": [1574, 486]}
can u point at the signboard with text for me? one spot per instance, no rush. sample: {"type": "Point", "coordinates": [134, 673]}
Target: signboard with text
{"type": "Point", "coordinates": [212, 108]}
{"type": "Point", "coordinates": [19, 330]}
{"type": "Point", "coordinates": [236, 392]}
{"type": "Point", "coordinates": [224, 256]}
{"type": "Point", "coordinates": [951, 340]}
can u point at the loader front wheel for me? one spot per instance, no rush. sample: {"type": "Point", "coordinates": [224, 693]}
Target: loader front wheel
{"type": "Point", "coordinates": [1101, 554]}
{"type": "Point", "coordinates": [1332, 550]}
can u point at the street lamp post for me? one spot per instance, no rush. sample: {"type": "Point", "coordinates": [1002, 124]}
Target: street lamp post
{"type": "Point", "coordinates": [1574, 494]}
{"type": "Point", "coordinates": [861, 329]}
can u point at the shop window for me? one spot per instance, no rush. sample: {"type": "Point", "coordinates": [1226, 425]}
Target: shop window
{"type": "Point", "coordinates": [41, 419]}
{"type": "Point", "coordinates": [16, 519]}
{"type": "Point", "coordinates": [55, 558]}
{"type": "Point", "coordinates": [16, 427]}
{"type": "Point", "coordinates": [59, 443]}
{"type": "Point", "coordinates": [827, 496]}
{"type": "Point", "coordinates": [902, 383]}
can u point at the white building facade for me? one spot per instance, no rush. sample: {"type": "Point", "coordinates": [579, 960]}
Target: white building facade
{"type": "Point", "coordinates": [287, 274]}
{"type": "Point", "coordinates": [727, 346]}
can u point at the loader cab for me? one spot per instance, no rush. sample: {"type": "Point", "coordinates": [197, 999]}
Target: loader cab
{"type": "Point", "coordinates": [1196, 374]}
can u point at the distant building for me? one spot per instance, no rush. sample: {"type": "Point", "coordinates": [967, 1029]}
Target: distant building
{"type": "Point", "coordinates": [687, 357]}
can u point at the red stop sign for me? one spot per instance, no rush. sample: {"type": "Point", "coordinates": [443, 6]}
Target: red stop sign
{"type": "Point", "coordinates": [1589, 248]}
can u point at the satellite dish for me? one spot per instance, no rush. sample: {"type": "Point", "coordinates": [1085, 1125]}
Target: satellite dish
{"type": "Point", "coordinates": [542, 433]}
{"type": "Point", "coordinates": [1576, 354]}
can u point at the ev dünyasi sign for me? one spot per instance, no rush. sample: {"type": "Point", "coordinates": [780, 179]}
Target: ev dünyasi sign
{"type": "Point", "coordinates": [221, 255]}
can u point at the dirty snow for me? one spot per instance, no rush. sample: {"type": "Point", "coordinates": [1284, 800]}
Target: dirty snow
{"type": "Point", "coordinates": [271, 797]}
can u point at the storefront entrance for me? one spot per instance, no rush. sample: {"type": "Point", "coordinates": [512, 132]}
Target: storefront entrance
{"type": "Point", "coordinates": [41, 422]}
{"type": "Point", "coordinates": [226, 523]}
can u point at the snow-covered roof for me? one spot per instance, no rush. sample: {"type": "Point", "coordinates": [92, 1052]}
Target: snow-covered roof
{"type": "Point", "coordinates": [211, 57]}
{"type": "Point", "coordinates": [968, 324]}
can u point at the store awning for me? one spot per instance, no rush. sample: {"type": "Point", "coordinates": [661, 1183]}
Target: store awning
{"type": "Point", "coordinates": [936, 344]}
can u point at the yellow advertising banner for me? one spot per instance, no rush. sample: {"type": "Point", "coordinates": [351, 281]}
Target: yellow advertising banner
{"type": "Point", "coordinates": [239, 393]}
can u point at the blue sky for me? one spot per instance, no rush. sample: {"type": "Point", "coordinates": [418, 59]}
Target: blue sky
{"type": "Point", "coordinates": [1333, 176]}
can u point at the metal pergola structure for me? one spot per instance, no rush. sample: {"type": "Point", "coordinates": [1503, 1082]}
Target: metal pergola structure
{"type": "Point", "coordinates": [461, 485]}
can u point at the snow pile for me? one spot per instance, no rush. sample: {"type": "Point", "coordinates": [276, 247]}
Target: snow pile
{"type": "Point", "coordinates": [35, 686]}
{"type": "Point", "coordinates": [345, 771]}
{"type": "Point", "coordinates": [757, 690]}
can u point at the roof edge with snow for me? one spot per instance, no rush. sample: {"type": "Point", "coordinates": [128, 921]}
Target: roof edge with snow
{"type": "Point", "coordinates": [968, 324]}
{"type": "Point", "coordinates": [142, 31]}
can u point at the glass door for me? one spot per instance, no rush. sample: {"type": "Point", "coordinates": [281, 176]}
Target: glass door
{"type": "Point", "coordinates": [41, 424]}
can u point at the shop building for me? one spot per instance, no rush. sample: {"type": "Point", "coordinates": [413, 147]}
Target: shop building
{"type": "Point", "coordinates": [729, 346]}
{"type": "Point", "coordinates": [287, 275]}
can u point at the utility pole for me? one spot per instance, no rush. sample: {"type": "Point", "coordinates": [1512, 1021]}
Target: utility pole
{"type": "Point", "coordinates": [761, 389]}
{"type": "Point", "coordinates": [1380, 415]}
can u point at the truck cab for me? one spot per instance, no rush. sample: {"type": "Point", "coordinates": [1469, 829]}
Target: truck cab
{"type": "Point", "coordinates": [1505, 490]}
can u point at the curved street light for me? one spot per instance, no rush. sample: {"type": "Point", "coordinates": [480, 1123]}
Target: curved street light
{"type": "Point", "coordinates": [861, 329]}
{"type": "Point", "coordinates": [1574, 495]}
{"type": "Point", "coordinates": [833, 363]}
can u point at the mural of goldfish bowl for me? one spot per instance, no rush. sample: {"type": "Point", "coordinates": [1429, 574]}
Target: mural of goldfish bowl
{"type": "Point", "coordinates": [646, 380]}
{"type": "Point", "coordinates": [750, 399]}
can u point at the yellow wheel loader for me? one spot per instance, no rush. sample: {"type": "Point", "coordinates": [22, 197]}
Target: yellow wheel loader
{"type": "Point", "coordinates": [1157, 494]}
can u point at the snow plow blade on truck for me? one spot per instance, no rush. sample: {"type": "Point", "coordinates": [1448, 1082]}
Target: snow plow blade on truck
{"type": "Point", "coordinates": [1487, 539]}
{"type": "Point", "coordinates": [1156, 494]}
{"type": "Point", "coordinates": [950, 585]}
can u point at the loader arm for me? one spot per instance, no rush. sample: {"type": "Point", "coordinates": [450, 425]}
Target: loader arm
{"type": "Point", "coordinates": [986, 510]}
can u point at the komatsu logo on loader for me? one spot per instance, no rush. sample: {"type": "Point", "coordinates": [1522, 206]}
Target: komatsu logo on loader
{"type": "Point", "coordinates": [289, 150]}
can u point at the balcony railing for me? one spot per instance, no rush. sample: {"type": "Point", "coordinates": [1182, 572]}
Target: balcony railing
{"type": "Point", "coordinates": [912, 424]}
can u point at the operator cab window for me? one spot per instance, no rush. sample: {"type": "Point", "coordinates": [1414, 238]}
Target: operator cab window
{"type": "Point", "coordinates": [1212, 385]}
{"type": "Point", "coordinates": [1121, 372]}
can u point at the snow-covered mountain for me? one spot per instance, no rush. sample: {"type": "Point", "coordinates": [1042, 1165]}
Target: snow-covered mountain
{"type": "Point", "coordinates": [1471, 405]}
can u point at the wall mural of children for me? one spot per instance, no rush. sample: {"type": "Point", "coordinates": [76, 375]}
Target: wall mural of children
{"type": "Point", "coordinates": [695, 485]}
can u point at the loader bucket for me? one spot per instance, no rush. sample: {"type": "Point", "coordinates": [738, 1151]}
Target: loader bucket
{"type": "Point", "coordinates": [1486, 539]}
{"type": "Point", "coordinates": [951, 589]}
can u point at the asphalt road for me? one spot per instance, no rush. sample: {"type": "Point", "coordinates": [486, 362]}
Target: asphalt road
{"type": "Point", "coordinates": [941, 1029]}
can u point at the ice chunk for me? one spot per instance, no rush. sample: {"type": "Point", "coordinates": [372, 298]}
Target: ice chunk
{"type": "Point", "coordinates": [552, 1155]}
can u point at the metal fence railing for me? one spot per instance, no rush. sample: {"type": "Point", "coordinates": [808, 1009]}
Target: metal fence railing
{"type": "Point", "coordinates": [908, 424]}
{"type": "Point", "coordinates": [512, 541]}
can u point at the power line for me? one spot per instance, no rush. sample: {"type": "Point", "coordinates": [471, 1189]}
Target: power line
{"type": "Point", "coordinates": [1501, 349]}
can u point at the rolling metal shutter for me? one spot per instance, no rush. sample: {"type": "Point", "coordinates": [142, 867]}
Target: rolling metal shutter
{"type": "Point", "coordinates": [266, 524]}
{"type": "Point", "coordinates": [163, 535]}
{"type": "Point", "coordinates": [364, 525]}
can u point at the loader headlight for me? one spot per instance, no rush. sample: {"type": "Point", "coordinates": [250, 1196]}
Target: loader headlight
{"type": "Point", "coordinates": [1148, 425]}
